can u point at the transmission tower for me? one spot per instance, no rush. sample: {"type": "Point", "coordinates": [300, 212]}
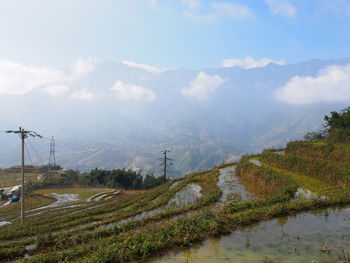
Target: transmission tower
{"type": "Point", "coordinates": [52, 158]}
{"type": "Point", "coordinates": [23, 134]}
{"type": "Point", "coordinates": [165, 163]}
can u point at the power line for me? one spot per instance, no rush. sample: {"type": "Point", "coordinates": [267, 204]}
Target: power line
{"type": "Point", "coordinates": [36, 152]}
{"type": "Point", "coordinates": [30, 158]}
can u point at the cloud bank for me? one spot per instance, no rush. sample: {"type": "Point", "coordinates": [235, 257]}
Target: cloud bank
{"type": "Point", "coordinates": [82, 94]}
{"type": "Point", "coordinates": [56, 90]}
{"type": "Point", "coordinates": [249, 62]}
{"type": "Point", "coordinates": [143, 66]}
{"type": "Point", "coordinates": [331, 85]}
{"type": "Point", "coordinates": [202, 86]}
{"type": "Point", "coordinates": [19, 79]}
{"type": "Point", "coordinates": [232, 10]}
{"type": "Point", "coordinates": [130, 92]}
{"type": "Point", "coordinates": [216, 10]}
{"type": "Point", "coordinates": [192, 4]}
{"type": "Point", "coordinates": [282, 8]}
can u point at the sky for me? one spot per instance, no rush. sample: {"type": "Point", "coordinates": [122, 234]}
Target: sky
{"type": "Point", "coordinates": [51, 45]}
{"type": "Point", "coordinates": [161, 34]}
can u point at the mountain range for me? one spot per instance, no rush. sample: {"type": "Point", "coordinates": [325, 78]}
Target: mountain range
{"type": "Point", "coordinates": [122, 115]}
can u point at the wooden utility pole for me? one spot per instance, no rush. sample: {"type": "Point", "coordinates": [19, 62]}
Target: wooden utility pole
{"type": "Point", "coordinates": [23, 134]}
{"type": "Point", "coordinates": [22, 177]}
{"type": "Point", "coordinates": [165, 162]}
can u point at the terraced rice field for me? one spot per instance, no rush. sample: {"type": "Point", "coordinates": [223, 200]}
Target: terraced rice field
{"type": "Point", "coordinates": [184, 211]}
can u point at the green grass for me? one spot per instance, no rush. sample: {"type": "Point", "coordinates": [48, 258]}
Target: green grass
{"type": "Point", "coordinates": [306, 182]}
{"type": "Point", "coordinates": [78, 234]}
{"type": "Point", "coordinates": [339, 153]}
{"type": "Point", "coordinates": [33, 201]}
{"type": "Point", "coordinates": [11, 179]}
{"type": "Point", "coordinates": [329, 171]}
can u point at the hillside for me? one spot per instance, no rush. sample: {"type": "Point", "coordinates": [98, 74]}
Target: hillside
{"type": "Point", "coordinates": [242, 115]}
{"type": "Point", "coordinates": [277, 183]}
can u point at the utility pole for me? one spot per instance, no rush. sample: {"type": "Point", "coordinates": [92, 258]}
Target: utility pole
{"type": "Point", "coordinates": [165, 163]}
{"type": "Point", "coordinates": [23, 134]}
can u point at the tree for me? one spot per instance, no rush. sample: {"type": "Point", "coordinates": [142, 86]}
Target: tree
{"type": "Point", "coordinates": [338, 120]}
{"type": "Point", "coordinates": [316, 136]}
{"type": "Point", "coordinates": [336, 128]}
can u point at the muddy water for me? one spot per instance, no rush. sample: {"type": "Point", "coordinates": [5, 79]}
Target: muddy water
{"type": "Point", "coordinates": [230, 186]}
{"type": "Point", "coordinates": [4, 223]}
{"type": "Point", "coordinates": [255, 161]}
{"type": "Point", "coordinates": [60, 200]}
{"type": "Point", "coordinates": [312, 237]}
{"type": "Point", "coordinates": [186, 196]}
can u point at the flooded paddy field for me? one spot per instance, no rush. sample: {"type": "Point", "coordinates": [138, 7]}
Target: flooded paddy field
{"type": "Point", "coordinates": [321, 236]}
{"type": "Point", "coordinates": [230, 186]}
{"type": "Point", "coordinates": [46, 200]}
{"type": "Point", "coordinates": [179, 218]}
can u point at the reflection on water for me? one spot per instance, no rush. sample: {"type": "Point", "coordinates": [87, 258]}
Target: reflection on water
{"type": "Point", "coordinates": [4, 223]}
{"type": "Point", "coordinates": [60, 199]}
{"type": "Point", "coordinates": [307, 194]}
{"type": "Point", "coordinates": [186, 196]}
{"type": "Point", "coordinates": [230, 186]}
{"type": "Point", "coordinates": [280, 152]}
{"type": "Point", "coordinates": [255, 161]}
{"type": "Point", "coordinates": [309, 237]}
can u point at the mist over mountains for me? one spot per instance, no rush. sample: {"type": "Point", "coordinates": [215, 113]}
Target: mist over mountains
{"type": "Point", "coordinates": [120, 115]}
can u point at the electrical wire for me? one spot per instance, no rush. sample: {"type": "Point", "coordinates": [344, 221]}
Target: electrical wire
{"type": "Point", "coordinates": [38, 155]}
{"type": "Point", "coordinates": [28, 153]}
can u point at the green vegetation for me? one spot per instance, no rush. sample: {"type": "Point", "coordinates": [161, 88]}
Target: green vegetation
{"type": "Point", "coordinates": [10, 179]}
{"type": "Point", "coordinates": [32, 201]}
{"type": "Point", "coordinates": [264, 182]}
{"type": "Point", "coordinates": [325, 170]}
{"type": "Point", "coordinates": [92, 233]}
{"type": "Point", "coordinates": [117, 178]}
{"type": "Point", "coordinates": [120, 178]}
{"type": "Point", "coordinates": [305, 176]}
{"type": "Point", "coordinates": [336, 128]}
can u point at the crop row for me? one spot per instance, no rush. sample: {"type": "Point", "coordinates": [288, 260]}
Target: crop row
{"type": "Point", "coordinates": [325, 151]}
{"type": "Point", "coordinates": [328, 171]}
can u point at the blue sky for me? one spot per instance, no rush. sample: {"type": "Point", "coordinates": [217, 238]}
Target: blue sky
{"type": "Point", "coordinates": [172, 33]}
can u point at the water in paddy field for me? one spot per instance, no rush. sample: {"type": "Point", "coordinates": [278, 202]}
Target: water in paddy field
{"type": "Point", "coordinates": [312, 237]}
{"type": "Point", "coordinates": [230, 186]}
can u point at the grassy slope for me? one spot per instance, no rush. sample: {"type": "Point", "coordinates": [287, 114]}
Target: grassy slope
{"type": "Point", "coordinates": [75, 235]}
{"type": "Point", "coordinates": [11, 179]}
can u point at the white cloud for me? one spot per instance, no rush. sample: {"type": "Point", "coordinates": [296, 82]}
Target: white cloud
{"type": "Point", "coordinates": [192, 4]}
{"type": "Point", "coordinates": [202, 86]}
{"type": "Point", "coordinates": [282, 8]}
{"type": "Point", "coordinates": [232, 10]}
{"type": "Point", "coordinates": [249, 62]}
{"type": "Point", "coordinates": [56, 90]}
{"type": "Point", "coordinates": [143, 66]}
{"type": "Point", "coordinates": [82, 94]}
{"type": "Point", "coordinates": [331, 85]}
{"type": "Point", "coordinates": [217, 10]}
{"type": "Point", "coordinates": [153, 4]}
{"type": "Point", "coordinates": [83, 67]}
{"type": "Point", "coordinates": [19, 79]}
{"type": "Point", "coordinates": [130, 92]}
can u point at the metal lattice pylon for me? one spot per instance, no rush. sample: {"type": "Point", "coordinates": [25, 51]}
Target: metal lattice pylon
{"type": "Point", "coordinates": [52, 158]}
